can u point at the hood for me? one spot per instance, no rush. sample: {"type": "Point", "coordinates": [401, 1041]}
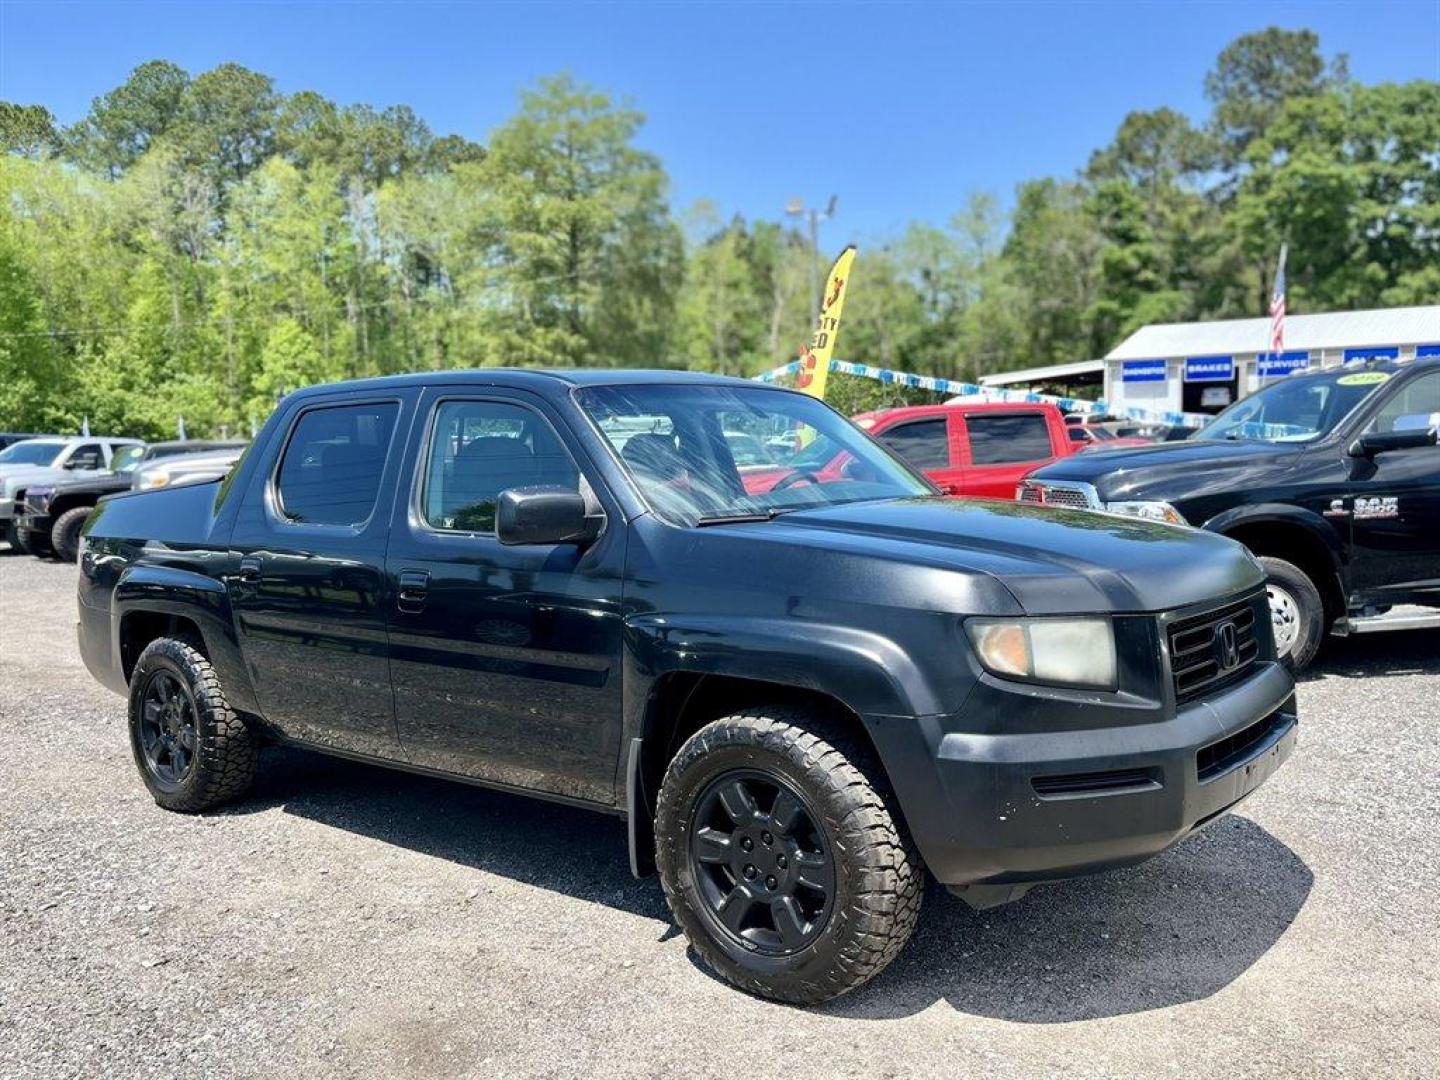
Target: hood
{"type": "Point", "coordinates": [1163, 469]}
{"type": "Point", "coordinates": [13, 477]}
{"type": "Point", "coordinates": [1052, 560]}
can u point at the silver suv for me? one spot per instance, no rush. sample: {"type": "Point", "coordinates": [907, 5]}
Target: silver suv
{"type": "Point", "coordinates": [47, 459]}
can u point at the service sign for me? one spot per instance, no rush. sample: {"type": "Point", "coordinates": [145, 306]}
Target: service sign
{"type": "Point", "coordinates": [1209, 368]}
{"type": "Point", "coordinates": [1271, 364]}
{"type": "Point", "coordinates": [1142, 371]}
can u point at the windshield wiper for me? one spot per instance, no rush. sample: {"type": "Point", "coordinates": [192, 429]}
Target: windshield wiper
{"type": "Point", "coordinates": [727, 517]}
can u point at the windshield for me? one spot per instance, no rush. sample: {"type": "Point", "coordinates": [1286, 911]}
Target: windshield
{"type": "Point", "coordinates": [676, 442]}
{"type": "Point", "coordinates": [125, 458]}
{"type": "Point", "coordinates": [31, 453]}
{"type": "Point", "coordinates": [1296, 410]}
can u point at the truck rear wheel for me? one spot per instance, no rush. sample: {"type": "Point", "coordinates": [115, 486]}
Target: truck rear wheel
{"type": "Point", "coordinates": [1296, 612]}
{"type": "Point", "coordinates": [781, 858]}
{"type": "Point", "coordinates": [194, 752]}
{"type": "Point", "coordinates": [65, 533]}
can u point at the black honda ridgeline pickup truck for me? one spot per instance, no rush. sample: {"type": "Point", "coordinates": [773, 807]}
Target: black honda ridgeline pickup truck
{"type": "Point", "coordinates": [1332, 479]}
{"type": "Point", "coordinates": [561, 584]}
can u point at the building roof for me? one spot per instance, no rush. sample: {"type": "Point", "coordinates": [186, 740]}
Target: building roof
{"type": "Point", "coordinates": [1326, 330]}
{"type": "Point", "coordinates": [1053, 373]}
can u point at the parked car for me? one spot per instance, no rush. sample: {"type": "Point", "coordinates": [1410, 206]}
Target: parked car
{"type": "Point", "coordinates": [976, 449]}
{"type": "Point", "coordinates": [40, 461]}
{"type": "Point", "coordinates": [1331, 478]}
{"type": "Point", "coordinates": [793, 697]}
{"type": "Point", "coordinates": [1104, 437]}
{"type": "Point", "coordinates": [50, 517]}
{"type": "Point", "coordinates": [748, 451]}
{"type": "Point", "coordinates": [8, 438]}
{"type": "Point", "coordinates": [196, 467]}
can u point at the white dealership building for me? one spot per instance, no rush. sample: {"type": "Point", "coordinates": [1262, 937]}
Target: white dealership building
{"type": "Point", "coordinates": [1202, 367]}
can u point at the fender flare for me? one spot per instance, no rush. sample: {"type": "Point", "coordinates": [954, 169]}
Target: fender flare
{"type": "Point", "coordinates": [866, 672]}
{"type": "Point", "coordinates": [1321, 530]}
{"type": "Point", "coordinates": [193, 595]}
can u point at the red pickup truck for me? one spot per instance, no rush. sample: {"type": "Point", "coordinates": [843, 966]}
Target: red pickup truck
{"type": "Point", "coordinates": [978, 449]}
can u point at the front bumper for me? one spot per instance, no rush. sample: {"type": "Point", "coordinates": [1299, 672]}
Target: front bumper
{"type": "Point", "coordinates": [7, 509]}
{"type": "Point", "coordinates": [1009, 809]}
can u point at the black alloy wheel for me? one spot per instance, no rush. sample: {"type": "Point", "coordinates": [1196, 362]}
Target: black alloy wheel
{"type": "Point", "coordinates": [762, 863]}
{"type": "Point", "coordinates": [168, 733]}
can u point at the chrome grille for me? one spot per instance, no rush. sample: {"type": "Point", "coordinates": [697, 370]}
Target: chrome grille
{"type": "Point", "coordinates": [1076, 497]}
{"type": "Point", "coordinates": [1205, 656]}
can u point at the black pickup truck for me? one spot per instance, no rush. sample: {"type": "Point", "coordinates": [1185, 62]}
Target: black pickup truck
{"type": "Point", "coordinates": [1331, 478]}
{"type": "Point", "coordinates": [559, 583]}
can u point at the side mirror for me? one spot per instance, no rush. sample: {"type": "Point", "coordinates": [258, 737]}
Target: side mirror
{"type": "Point", "coordinates": [1378, 442]}
{"type": "Point", "coordinates": [545, 514]}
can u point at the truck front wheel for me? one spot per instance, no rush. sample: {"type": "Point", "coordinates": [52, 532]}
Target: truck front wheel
{"type": "Point", "coordinates": [1296, 612]}
{"type": "Point", "coordinates": [65, 533]}
{"type": "Point", "coordinates": [194, 752]}
{"type": "Point", "coordinates": [781, 858]}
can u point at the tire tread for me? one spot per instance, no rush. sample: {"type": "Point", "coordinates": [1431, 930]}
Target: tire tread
{"type": "Point", "coordinates": [227, 751]}
{"type": "Point", "coordinates": [883, 912]}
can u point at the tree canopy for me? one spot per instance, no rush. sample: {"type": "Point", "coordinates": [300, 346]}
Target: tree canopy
{"type": "Point", "coordinates": [199, 244]}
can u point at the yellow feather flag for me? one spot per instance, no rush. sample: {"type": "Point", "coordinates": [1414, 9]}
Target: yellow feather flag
{"type": "Point", "coordinates": [815, 357]}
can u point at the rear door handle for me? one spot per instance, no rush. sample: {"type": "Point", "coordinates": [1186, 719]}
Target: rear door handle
{"type": "Point", "coordinates": [249, 569]}
{"type": "Point", "coordinates": [414, 585]}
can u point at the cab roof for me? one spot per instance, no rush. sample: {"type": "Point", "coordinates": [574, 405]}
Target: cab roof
{"type": "Point", "coordinates": [533, 379]}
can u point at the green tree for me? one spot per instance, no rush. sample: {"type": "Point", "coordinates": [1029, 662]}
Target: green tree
{"type": "Point", "coordinates": [576, 216]}
{"type": "Point", "coordinates": [27, 130]}
{"type": "Point", "coordinates": [126, 122]}
{"type": "Point", "coordinates": [1257, 74]}
{"type": "Point", "coordinates": [1352, 182]}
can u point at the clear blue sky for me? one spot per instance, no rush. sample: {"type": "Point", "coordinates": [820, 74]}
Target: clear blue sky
{"type": "Point", "coordinates": [900, 109]}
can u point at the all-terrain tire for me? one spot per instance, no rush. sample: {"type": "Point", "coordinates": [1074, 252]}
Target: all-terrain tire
{"type": "Point", "coordinates": [1296, 609]}
{"type": "Point", "coordinates": [225, 751]}
{"type": "Point", "coordinates": [65, 533]}
{"type": "Point", "coordinates": [877, 874]}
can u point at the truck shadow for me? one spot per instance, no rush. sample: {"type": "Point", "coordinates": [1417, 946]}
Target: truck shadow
{"type": "Point", "coordinates": [1176, 929]}
{"type": "Point", "coordinates": [1398, 652]}
{"type": "Point", "coordinates": [577, 852]}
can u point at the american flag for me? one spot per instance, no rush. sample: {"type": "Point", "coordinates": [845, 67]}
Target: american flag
{"type": "Point", "coordinates": [1277, 307]}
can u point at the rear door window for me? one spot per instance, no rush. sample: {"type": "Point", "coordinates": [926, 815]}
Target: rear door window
{"type": "Point", "coordinates": [1002, 438]}
{"type": "Point", "coordinates": [330, 474]}
{"type": "Point", "coordinates": [923, 443]}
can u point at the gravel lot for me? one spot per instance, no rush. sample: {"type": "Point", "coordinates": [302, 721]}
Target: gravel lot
{"type": "Point", "coordinates": [354, 921]}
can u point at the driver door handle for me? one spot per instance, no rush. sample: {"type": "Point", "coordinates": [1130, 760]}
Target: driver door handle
{"type": "Point", "coordinates": [414, 585]}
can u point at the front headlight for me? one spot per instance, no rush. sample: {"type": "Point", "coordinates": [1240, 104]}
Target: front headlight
{"type": "Point", "coordinates": [158, 478]}
{"type": "Point", "coordinates": [1071, 652]}
{"type": "Point", "coordinates": [1150, 511]}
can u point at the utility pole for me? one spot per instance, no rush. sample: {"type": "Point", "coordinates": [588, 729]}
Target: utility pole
{"type": "Point", "coordinates": [796, 208]}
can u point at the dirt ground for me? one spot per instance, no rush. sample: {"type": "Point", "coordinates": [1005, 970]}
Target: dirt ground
{"type": "Point", "coordinates": [352, 921]}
